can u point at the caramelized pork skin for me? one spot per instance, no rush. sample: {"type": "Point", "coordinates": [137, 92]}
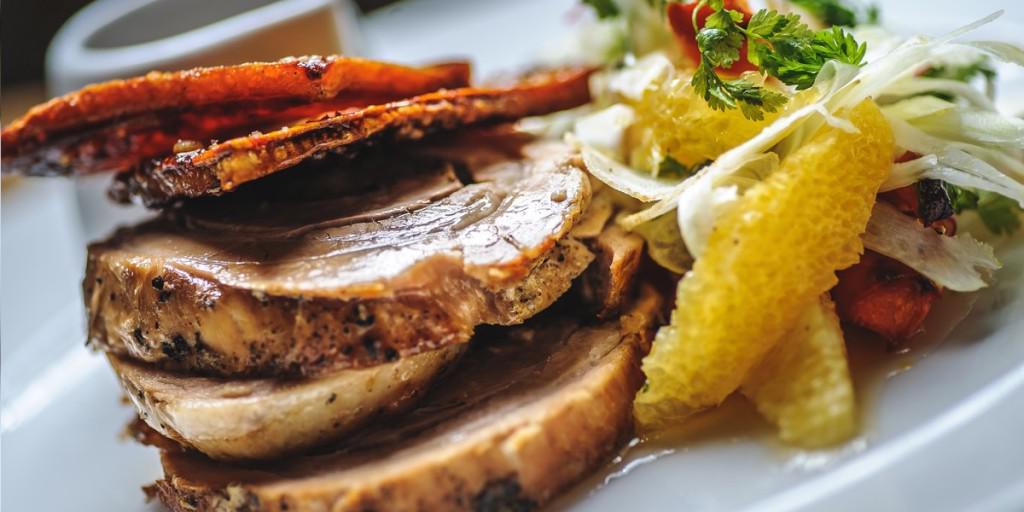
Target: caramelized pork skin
{"type": "Point", "coordinates": [223, 166]}
{"type": "Point", "coordinates": [258, 286]}
{"type": "Point", "coordinates": [529, 411]}
{"type": "Point", "coordinates": [115, 125]}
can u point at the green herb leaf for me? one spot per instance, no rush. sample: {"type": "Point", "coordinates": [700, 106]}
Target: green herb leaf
{"type": "Point", "coordinates": [767, 24]}
{"type": "Point", "coordinates": [963, 73]}
{"type": "Point", "coordinates": [754, 100]}
{"type": "Point", "coordinates": [961, 198]}
{"type": "Point", "coordinates": [1001, 215]}
{"type": "Point", "coordinates": [604, 8]}
{"type": "Point", "coordinates": [873, 16]}
{"type": "Point", "coordinates": [830, 12]}
{"type": "Point", "coordinates": [982, 67]}
{"type": "Point", "coordinates": [720, 47]}
{"type": "Point", "coordinates": [781, 45]}
{"type": "Point", "coordinates": [797, 60]}
{"type": "Point", "coordinates": [671, 168]}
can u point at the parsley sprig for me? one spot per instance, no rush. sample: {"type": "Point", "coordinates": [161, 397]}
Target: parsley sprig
{"type": "Point", "coordinates": [669, 167]}
{"type": "Point", "coordinates": [604, 8]}
{"type": "Point", "coordinates": [781, 45]}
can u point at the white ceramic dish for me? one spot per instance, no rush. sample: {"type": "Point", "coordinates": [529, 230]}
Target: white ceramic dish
{"type": "Point", "coordinates": [943, 431]}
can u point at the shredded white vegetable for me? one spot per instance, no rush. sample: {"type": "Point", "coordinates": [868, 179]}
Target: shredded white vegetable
{"type": "Point", "coordinates": [959, 263]}
{"type": "Point", "coordinates": [919, 85]}
{"type": "Point", "coordinates": [632, 82]}
{"type": "Point", "coordinates": [627, 180]}
{"type": "Point", "coordinates": [604, 130]}
{"type": "Point", "coordinates": [964, 142]}
{"type": "Point", "coordinates": [956, 167]}
{"type": "Point", "coordinates": [913, 139]}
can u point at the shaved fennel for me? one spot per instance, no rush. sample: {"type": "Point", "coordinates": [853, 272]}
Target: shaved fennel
{"type": "Point", "coordinates": [956, 167]}
{"type": "Point", "coordinates": [959, 263]}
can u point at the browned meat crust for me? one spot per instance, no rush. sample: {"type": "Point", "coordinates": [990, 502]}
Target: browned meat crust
{"type": "Point", "coordinates": [315, 285]}
{"type": "Point", "coordinates": [530, 411]}
{"type": "Point", "coordinates": [223, 166]}
{"type": "Point", "coordinates": [114, 125]}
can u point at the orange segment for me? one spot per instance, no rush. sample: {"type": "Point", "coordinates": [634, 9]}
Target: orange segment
{"type": "Point", "coordinates": [672, 120]}
{"type": "Point", "coordinates": [766, 262]}
{"type": "Point", "coordinates": [803, 385]}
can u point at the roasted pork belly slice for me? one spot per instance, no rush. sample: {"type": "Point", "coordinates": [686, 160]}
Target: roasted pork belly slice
{"type": "Point", "coordinates": [117, 125]}
{"type": "Point", "coordinates": [340, 276]}
{"type": "Point", "coordinates": [222, 167]}
{"type": "Point", "coordinates": [263, 418]}
{"type": "Point", "coordinates": [529, 410]}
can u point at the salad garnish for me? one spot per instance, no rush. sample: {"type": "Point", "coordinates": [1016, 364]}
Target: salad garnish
{"type": "Point", "coordinates": [837, 13]}
{"type": "Point", "coordinates": [761, 154]}
{"type": "Point", "coordinates": [780, 45]}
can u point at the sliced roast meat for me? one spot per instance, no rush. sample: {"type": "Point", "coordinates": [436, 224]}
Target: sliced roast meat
{"type": "Point", "coordinates": [529, 411]}
{"type": "Point", "coordinates": [262, 286]}
{"type": "Point", "coordinates": [263, 418]}
{"type": "Point", "coordinates": [223, 166]}
{"type": "Point", "coordinates": [607, 284]}
{"type": "Point", "coordinates": [116, 125]}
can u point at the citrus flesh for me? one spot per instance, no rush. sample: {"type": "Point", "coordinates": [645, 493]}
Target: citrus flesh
{"type": "Point", "coordinates": [672, 120]}
{"type": "Point", "coordinates": [766, 262]}
{"type": "Point", "coordinates": [803, 385]}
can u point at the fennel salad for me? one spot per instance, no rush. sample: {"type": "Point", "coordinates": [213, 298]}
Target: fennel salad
{"type": "Point", "coordinates": [798, 168]}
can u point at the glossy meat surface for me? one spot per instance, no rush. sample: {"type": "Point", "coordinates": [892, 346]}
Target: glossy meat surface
{"type": "Point", "coordinates": [529, 410]}
{"type": "Point", "coordinates": [347, 272]}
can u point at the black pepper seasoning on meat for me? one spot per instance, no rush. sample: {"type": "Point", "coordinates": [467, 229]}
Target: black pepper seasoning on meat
{"type": "Point", "coordinates": [370, 345]}
{"type": "Point", "coordinates": [176, 348]}
{"type": "Point", "coordinates": [505, 495]}
{"type": "Point", "coordinates": [363, 316]}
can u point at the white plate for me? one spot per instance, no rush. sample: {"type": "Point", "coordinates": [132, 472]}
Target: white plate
{"type": "Point", "coordinates": [943, 432]}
